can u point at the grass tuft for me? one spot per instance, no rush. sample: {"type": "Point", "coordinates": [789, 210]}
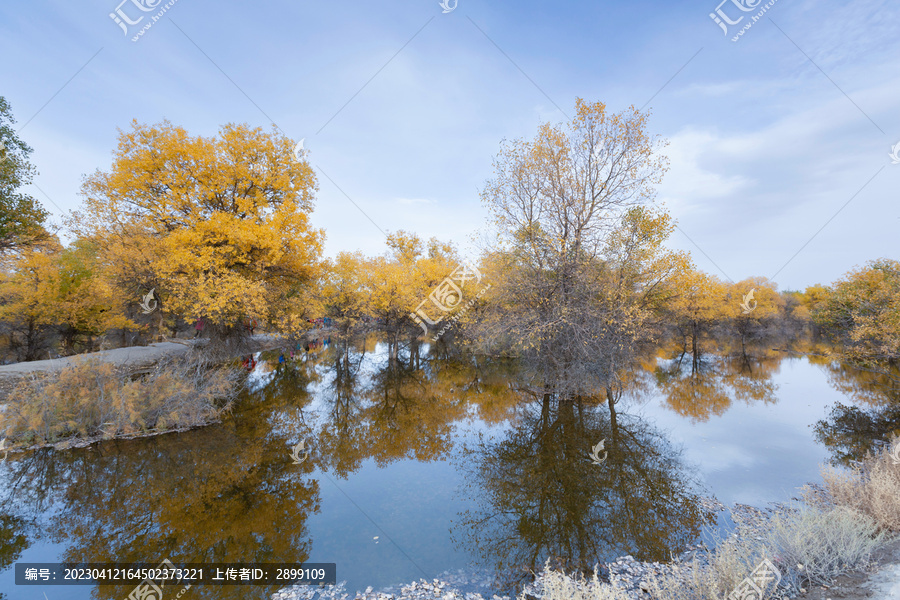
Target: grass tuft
{"type": "Point", "coordinates": [91, 399]}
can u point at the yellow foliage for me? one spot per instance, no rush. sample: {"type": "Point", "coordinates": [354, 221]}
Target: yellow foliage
{"type": "Point", "coordinates": [863, 311]}
{"type": "Point", "coordinates": [701, 298]}
{"type": "Point", "coordinates": [218, 226]}
{"type": "Point", "coordinates": [766, 303]}
{"type": "Point", "coordinates": [48, 286]}
{"type": "Point", "coordinates": [388, 287]}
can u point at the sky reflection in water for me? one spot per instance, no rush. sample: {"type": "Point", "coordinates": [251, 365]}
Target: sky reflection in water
{"type": "Point", "coordinates": [449, 465]}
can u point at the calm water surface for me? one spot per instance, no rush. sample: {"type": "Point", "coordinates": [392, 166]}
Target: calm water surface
{"type": "Point", "coordinates": [423, 466]}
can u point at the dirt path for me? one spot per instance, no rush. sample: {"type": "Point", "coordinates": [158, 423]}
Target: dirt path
{"type": "Point", "coordinates": [130, 359]}
{"type": "Point", "coordinates": [134, 356]}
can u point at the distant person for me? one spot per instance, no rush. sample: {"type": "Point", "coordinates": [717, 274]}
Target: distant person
{"type": "Point", "coordinates": [199, 327]}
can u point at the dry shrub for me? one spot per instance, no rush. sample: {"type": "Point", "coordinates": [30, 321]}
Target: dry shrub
{"type": "Point", "coordinates": [90, 398]}
{"type": "Point", "coordinates": [810, 546]}
{"type": "Point", "coordinates": [559, 586]}
{"type": "Point", "coordinates": [723, 570]}
{"type": "Point", "coordinates": [827, 543]}
{"type": "Point", "coordinates": [872, 488]}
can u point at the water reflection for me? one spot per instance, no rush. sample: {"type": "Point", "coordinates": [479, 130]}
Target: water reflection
{"type": "Point", "coordinates": [404, 405]}
{"type": "Point", "coordinates": [13, 541]}
{"type": "Point", "coordinates": [852, 431]}
{"type": "Point", "coordinates": [702, 387]}
{"type": "Point", "coordinates": [230, 493]}
{"type": "Point", "coordinates": [210, 496]}
{"type": "Point", "coordinates": [542, 497]}
{"type": "Point", "coordinates": [872, 383]}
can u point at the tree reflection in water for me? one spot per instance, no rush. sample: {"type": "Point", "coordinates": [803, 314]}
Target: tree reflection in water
{"type": "Point", "coordinates": [13, 541]}
{"type": "Point", "coordinates": [219, 494]}
{"type": "Point", "coordinates": [850, 432]}
{"type": "Point", "coordinates": [229, 493]}
{"type": "Point", "coordinates": [708, 386]}
{"type": "Point", "coordinates": [541, 497]}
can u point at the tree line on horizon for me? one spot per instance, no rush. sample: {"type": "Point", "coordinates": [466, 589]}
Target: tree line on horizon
{"type": "Point", "coordinates": [219, 229]}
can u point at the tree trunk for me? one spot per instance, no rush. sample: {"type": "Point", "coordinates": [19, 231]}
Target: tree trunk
{"type": "Point", "coordinates": [613, 418]}
{"type": "Point", "coordinates": [695, 344]}
{"type": "Point", "coordinates": [156, 321]}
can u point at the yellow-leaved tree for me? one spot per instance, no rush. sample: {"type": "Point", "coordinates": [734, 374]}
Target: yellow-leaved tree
{"type": "Point", "coordinates": [50, 291]}
{"type": "Point", "coordinates": [701, 301]}
{"type": "Point", "coordinates": [756, 316]}
{"type": "Point", "coordinates": [398, 283]}
{"type": "Point", "coordinates": [218, 226]}
{"type": "Point", "coordinates": [341, 290]}
{"type": "Point", "coordinates": [862, 312]}
{"type": "Point", "coordinates": [27, 301]}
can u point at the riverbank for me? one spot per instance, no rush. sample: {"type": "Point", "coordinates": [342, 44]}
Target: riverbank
{"type": "Point", "coordinates": [881, 582]}
{"type": "Point", "coordinates": [130, 360]}
{"type": "Point", "coordinates": [628, 579]}
{"type": "Point", "coordinates": [143, 391]}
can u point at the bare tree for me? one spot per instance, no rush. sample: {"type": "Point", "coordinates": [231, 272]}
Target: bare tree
{"type": "Point", "coordinates": [577, 254]}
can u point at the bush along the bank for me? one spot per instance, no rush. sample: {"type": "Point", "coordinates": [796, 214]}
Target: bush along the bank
{"type": "Point", "coordinates": [91, 399]}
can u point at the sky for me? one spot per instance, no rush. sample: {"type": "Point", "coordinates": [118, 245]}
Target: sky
{"type": "Point", "coordinates": [779, 142]}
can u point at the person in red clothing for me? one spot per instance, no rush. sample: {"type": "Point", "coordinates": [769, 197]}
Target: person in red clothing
{"type": "Point", "coordinates": [199, 326]}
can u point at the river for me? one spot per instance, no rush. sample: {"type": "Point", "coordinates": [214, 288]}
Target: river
{"type": "Point", "coordinates": [444, 463]}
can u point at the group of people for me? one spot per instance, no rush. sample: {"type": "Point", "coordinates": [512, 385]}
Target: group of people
{"type": "Point", "coordinates": [309, 346]}
{"type": "Point", "coordinates": [249, 362]}
{"type": "Point", "coordinates": [321, 322]}
{"type": "Point", "coordinates": [317, 344]}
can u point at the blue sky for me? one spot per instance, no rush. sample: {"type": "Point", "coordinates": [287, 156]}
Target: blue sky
{"type": "Point", "coordinates": [403, 107]}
